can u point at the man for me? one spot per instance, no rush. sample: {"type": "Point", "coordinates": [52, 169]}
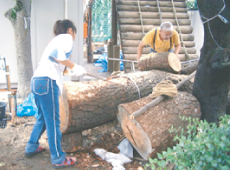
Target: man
{"type": "Point", "coordinates": [161, 39]}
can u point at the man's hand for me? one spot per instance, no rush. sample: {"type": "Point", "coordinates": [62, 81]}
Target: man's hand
{"type": "Point", "coordinates": [177, 49]}
{"type": "Point", "coordinates": [140, 49]}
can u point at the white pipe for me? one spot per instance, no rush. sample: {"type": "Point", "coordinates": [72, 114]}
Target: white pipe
{"type": "Point", "coordinates": [66, 9]}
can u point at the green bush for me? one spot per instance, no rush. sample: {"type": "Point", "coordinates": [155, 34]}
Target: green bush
{"type": "Point", "coordinates": [202, 146]}
{"type": "Point", "coordinates": [192, 4]}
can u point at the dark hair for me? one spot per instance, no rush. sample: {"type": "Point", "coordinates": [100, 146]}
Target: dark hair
{"type": "Point", "coordinates": [61, 26]}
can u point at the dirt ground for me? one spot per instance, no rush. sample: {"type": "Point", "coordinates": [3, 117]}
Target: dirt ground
{"type": "Point", "coordinates": [13, 141]}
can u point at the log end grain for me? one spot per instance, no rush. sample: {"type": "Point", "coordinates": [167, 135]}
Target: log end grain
{"type": "Point", "coordinates": [64, 111]}
{"type": "Point", "coordinates": [71, 142]}
{"type": "Point", "coordinates": [174, 62]}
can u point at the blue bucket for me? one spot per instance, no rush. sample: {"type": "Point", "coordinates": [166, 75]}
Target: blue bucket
{"type": "Point", "coordinates": [2, 110]}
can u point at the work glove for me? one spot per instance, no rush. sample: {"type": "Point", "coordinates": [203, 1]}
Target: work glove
{"type": "Point", "coordinates": [78, 70]}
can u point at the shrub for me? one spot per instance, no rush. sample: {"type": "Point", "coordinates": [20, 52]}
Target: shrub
{"type": "Point", "coordinates": [202, 146]}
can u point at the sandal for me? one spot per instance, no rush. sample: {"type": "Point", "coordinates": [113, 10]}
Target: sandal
{"type": "Point", "coordinates": [39, 149]}
{"type": "Point", "coordinates": [68, 162]}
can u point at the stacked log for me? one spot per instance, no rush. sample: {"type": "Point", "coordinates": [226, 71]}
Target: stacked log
{"type": "Point", "coordinates": [162, 61]}
{"type": "Point", "coordinates": [149, 132]}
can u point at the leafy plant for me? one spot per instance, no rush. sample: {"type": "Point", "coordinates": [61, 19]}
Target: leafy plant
{"type": "Point", "coordinates": [192, 4]}
{"type": "Point", "coordinates": [201, 146]}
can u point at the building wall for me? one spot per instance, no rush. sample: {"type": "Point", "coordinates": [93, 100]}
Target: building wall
{"type": "Point", "coordinates": [198, 29]}
{"type": "Point", "coordinates": [43, 16]}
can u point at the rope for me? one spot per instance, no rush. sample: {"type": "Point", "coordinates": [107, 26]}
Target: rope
{"type": "Point", "coordinates": [159, 9]}
{"type": "Point", "coordinates": [133, 83]}
{"type": "Point", "coordinates": [221, 18]}
{"type": "Point", "coordinates": [218, 15]}
{"type": "Point", "coordinates": [164, 88]}
{"type": "Point", "coordinates": [25, 18]}
{"type": "Point", "coordinates": [174, 11]}
{"type": "Point", "coordinates": [143, 30]}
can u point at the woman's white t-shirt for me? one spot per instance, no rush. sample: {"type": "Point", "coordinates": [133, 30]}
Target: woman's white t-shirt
{"type": "Point", "coordinates": [60, 48]}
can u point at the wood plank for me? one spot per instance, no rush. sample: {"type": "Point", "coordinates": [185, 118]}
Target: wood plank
{"type": "Point", "coordinates": [151, 15]}
{"type": "Point", "coordinates": [182, 57]}
{"type": "Point", "coordinates": [147, 28]}
{"type": "Point", "coordinates": [156, 22]}
{"type": "Point", "coordinates": [135, 43]}
{"type": "Point", "coordinates": [149, 9]}
{"type": "Point", "coordinates": [152, 3]}
{"type": "Point", "coordinates": [139, 36]}
{"type": "Point", "coordinates": [146, 50]}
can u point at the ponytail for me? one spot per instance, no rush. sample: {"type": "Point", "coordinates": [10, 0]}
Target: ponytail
{"type": "Point", "coordinates": [62, 26]}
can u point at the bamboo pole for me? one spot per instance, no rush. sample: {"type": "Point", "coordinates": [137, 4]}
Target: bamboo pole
{"type": "Point", "coordinates": [110, 62]}
{"type": "Point", "coordinates": [116, 54]}
{"type": "Point", "coordinates": [159, 98]}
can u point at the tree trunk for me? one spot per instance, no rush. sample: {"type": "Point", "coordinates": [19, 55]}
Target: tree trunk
{"type": "Point", "coordinates": [20, 20]}
{"type": "Point", "coordinates": [213, 73]}
{"type": "Point", "coordinates": [149, 132]}
{"type": "Point", "coordinates": [85, 105]}
{"type": "Point", "coordinates": [162, 61]}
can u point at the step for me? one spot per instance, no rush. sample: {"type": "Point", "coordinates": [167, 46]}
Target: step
{"type": "Point", "coordinates": [146, 50]}
{"type": "Point", "coordinates": [181, 56]}
{"type": "Point", "coordinates": [147, 28]}
{"type": "Point", "coordinates": [152, 15]}
{"type": "Point", "coordinates": [135, 43]}
{"type": "Point", "coordinates": [139, 36]}
{"type": "Point", "coordinates": [149, 9]}
{"type": "Point", "coordinates": [156, 22]}
{"type": "Point", "coordinates": [152, 3]}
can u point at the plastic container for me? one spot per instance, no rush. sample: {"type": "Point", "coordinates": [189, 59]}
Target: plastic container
{"type": "Point", "coordinates": [2, 110]}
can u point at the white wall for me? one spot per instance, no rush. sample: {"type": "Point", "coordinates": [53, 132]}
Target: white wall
{"type": "Point", "coordinates": [43, 16]}
{"type": "Point", "coordinates": [7, 43]}
{"type": "Point", "coordinates": [198, 29]}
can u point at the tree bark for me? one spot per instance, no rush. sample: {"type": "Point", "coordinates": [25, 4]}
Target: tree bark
{"type": "Point", "coordinates": [213, 73]}
{"type": "Point", "coordinates": [162, 61]}
{"type": "Point", "coordinates": [21, 27]}
{"type": "Point", "coordinates": [85, 105]}
{"type": "Point", "coordinates": [149, 132]}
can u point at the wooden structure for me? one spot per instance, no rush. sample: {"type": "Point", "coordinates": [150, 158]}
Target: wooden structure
{"type": "Point", "coordinates": [149, 132]}
{"type": "Point", "coordinates": [137, 17]}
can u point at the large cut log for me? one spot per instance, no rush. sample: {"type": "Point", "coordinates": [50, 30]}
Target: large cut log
{"type": "Point", "coordinates": [162, 61]}
{"type": "Point", "coordinates": [71, 142]}
{"type": "Point", "coordinates": [153, 15]}
{"type": "Point", "coordinates": [149, 132]}
{"type": "Point", "coordinates": [139, 36]}
{"type": "Point", "coordinates": [147, 28]}
{"type": "Point", "coordinates": [189, 67]}
{"type": "Point", "coordinates": [146, 8]}
{"type": "Point", "coordinates": [146, 50]}
{"type": "Point", "coordinates": [182, 57]}
{"type": "Point", "coordinates": [85, 105]}
{"type": "Point", "coordinates": [135, 43]}
{"type": "Point", "coordinates": [137, 21]}
{"type": "Point", "coordinates": [152, 3]}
